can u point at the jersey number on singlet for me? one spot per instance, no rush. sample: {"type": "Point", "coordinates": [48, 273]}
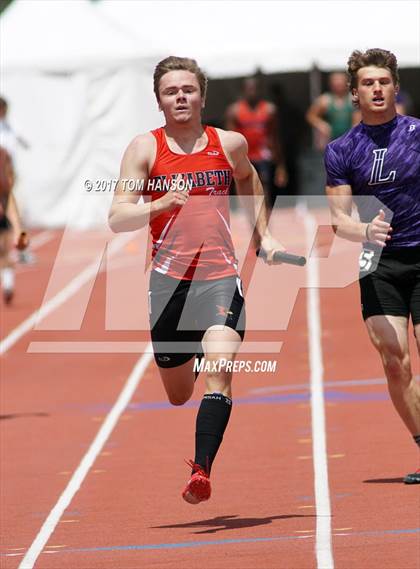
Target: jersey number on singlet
{"type": "Point", "coordinates": [377, 176]}
{"type": "Point", "coordinates": [366, 259]}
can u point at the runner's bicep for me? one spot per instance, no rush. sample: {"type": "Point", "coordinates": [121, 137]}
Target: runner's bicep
{"type": "Point", "coordinates": [134, 174]}
{"type": "Point", "coordinates": [340, 201]}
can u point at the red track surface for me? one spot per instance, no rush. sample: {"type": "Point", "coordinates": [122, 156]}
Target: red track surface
{"type": "Point", "coordinates": [263, 493]}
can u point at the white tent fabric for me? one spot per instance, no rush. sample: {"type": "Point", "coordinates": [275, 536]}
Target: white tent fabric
{"type": "Point", "coordinates": [78, 75]}
{"type": "Point", "coordinates": [65, 35]}
{"type": "Point", "coordinates": [79, 90]}
{"type": "Point", "coordinates": [232, 38]}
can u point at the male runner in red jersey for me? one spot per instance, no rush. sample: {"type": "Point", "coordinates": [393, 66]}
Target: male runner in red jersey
{"type": "Point", "coordinates": [256, 119]}
{"type": "Point", "coordinates": [194, 263]}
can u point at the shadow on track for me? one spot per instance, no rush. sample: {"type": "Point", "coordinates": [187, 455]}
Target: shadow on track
{"type": "Point", "coordinates": [221, 523]}
{"type": "Point", "coordinates": [21, 415]}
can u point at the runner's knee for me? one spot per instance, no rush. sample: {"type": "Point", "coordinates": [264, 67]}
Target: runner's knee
{"type": "Point", "coordinates": [178, 400]}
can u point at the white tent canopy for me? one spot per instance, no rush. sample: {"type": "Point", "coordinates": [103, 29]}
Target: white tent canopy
{"type": "Point", "coordinates": [78, 75]}
{"type": "Point", "coordinates": [61, 36]}
{"type": "Point", "coordinates": [232, 38]}
{"type": "Point", "coordinates": [79, 90]}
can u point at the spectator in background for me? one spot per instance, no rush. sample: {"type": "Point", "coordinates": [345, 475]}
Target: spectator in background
{"type": "Point", "coordinates": [9, 141]}
{"type": "Point", "coordinates": [8, 138]}
{"type": "Point", "coordinates": [292, 126]}
{"type": "Point", "coordinates": [332, 113]}
{"type": "Point", "coordinates": [256, 119]}
{"type": "Point", "coordinates": [10, 226]}
{"type": "Point", "coordinates": [403, 103]}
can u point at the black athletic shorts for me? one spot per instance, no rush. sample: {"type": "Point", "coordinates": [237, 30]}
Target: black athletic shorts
{"type": "Point", "coordinates": [181, 311]}
{"type": "Point", "coordinates": [390, 283]}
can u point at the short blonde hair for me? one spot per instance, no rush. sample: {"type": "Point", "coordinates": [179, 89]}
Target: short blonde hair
{"type": "Point", "coordinates": [173, 63]}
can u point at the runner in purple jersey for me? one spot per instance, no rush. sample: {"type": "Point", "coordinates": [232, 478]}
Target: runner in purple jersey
{"type": "Point", "coordinates": [380, 158]}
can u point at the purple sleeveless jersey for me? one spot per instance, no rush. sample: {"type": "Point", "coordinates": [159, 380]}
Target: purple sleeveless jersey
{"type": "Point", "coordinates": [382, 161]}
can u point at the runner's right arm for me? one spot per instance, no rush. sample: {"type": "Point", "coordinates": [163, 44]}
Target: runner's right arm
{"type": "Point", "coordinates": [340, 198]}
{"type": "Point", "coordinates": [340, 201]}
{"type": "Point", "coordinates": [126, 214]}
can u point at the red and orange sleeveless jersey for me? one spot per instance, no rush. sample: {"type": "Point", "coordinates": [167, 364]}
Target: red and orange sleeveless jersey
{"type": "Point", "coordinates": [252, 122]}
{"type": "Point", "coordinates": [193, 241]}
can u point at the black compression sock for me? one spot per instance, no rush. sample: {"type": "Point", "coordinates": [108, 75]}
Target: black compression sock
{"type": "Point", "coordinates": [212, 418]}
{"type": "Point", "coordinates": [417, 440]}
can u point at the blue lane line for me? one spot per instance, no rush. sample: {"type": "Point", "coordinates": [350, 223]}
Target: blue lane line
{"type": "Point", "coordinates": [265, 395]}
{"type": "Point", "coordinates": [181, 545]}
{"type": "Point", "coordinates": [387, 531]}
{"type": "Point", "coordinates": [330, 395]}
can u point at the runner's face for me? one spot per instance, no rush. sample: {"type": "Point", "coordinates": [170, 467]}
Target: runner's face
{"type": "Point", "coordinates": [251, 90]}
{"type": "Point", "coordinates": [180, 97]}
{"type": "Point", "coordinates": [375, 90]}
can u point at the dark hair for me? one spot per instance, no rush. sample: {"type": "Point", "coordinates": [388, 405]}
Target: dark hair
{"type": "Point", "coordinates": [173, 63]}
{"type": "Point", "coordinates": [3, 103]}
{"type": "Point", "coordinates": [375, 56]}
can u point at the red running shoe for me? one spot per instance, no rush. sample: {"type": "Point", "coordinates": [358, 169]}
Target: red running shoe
{"type": "Point", "coordinates": [198, 488]}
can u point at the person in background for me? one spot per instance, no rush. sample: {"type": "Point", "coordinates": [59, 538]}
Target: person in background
{"type": "Point", "coordinates": [256, 119]}
{"type": "Point", "coordinates": [332, 113]}
{"type": "Point", "coordinates": [10, 226]}
{"type": "Point", "coordinates": [10, 140]}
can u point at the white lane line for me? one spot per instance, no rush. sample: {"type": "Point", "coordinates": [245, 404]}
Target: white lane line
{"type": "Point", "coordinates": [86, 463]}
{"type": "Point", "coordinates": [61, 297]}
{"type": "Point", "coordinates": [323, 545]}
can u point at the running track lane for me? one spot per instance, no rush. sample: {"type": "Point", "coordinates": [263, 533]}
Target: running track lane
{"type": "Point", "coordinates": [44, 434]}
{"type": "Point", "coordinates": [375, 516]}
{"type": "Point", "coordinates": [133, 498]}
{"type": "Point", "coordinates": [31, 281]}
{"type": "Point", "coordinates": [298, 424]}
{"type": "Point", "coordinates": [280, 546]}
